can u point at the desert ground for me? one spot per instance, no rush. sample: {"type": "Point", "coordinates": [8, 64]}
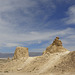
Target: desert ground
{"type": "Point", "coordinates": [55, 60]}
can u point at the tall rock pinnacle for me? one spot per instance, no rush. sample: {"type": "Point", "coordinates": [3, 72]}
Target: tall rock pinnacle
{"type": "Point", "coordinates": [21, 52]}
{"type": "Point", "coordinates": [57, 42]}
{"type": "Point", "coordinates": [56, 46]}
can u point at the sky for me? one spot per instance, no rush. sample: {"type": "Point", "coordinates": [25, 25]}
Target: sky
{"type": "Point", "coordinates": [36, 23]}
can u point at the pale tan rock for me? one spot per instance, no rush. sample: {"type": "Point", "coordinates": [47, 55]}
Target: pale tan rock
{"type": "Point", "coordinates": [57, 42]}
{"type": "Point", "coordinates": [56, 60]}
{"type": "Point", "coordinates": [8, 58]}
{"type": "Point", "coordinates": [21, 52]}
{"type": "Point", "coordinates": [56, 46]}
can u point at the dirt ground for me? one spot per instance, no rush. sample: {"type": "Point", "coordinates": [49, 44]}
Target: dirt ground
{"type": "Point", "coordinates": [35, 74]}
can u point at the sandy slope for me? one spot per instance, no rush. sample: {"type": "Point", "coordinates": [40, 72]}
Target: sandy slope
{"type": "Point", "coordinates": [34, 74]}
{"type": "Point", "coordinates": [56, 60]}
{"type": "Point", "coordinates": [43, 63]}
{"type": "Point", "coordinates": [48, 64]}
{"type": "Point", "coordinates": [53, 61]}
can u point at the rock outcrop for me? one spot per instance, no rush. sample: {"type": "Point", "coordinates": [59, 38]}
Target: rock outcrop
{"type": "Point", "coordinates": [21, 52]}
{"type": "Point", "coordinates": [56, 60]}
{"type": "Point", "coordinates": [56, 46]}
{"type": "Point", "coordinates": [65, 65]}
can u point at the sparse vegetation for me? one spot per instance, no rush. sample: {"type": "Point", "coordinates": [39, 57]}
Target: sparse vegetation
{"type": "Point", "coordinates": [6, 71]}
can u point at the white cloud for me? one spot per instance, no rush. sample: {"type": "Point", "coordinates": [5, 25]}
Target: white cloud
{"type": "Point", "coordinates": [32, 10]}
{"type": "Point", "coordinates": [71, 15]}
{"type": "Point", "coordinates": [65, 41]}
{"type": "Point", "coordinates": [11, 17]}
{"type": "Point", "coordinates": [38, 50]}
{"type": "Point", "coordinates": [31, 37]}
{"type": "Point", "coordinates": [14, 13]}
{"type": "Point", "coordinates": [12, 44]}
{"type": "Point", "coordinates": [72, 48]}
{"type": "Point", "coordinates": [18, 22]}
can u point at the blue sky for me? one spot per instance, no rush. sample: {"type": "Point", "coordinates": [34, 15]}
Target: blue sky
{"type": "Point", "coordinates": [36, 23]}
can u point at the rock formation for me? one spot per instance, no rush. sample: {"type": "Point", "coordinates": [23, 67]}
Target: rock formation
{"type": "Point", "coordinates": [67, 63]}
{"type": "Point", "coordinates": [21, 52]}
{"type": "Point", "coordinates": [56, 60]}
{"type": "Point", "coordinates": [56, 46]}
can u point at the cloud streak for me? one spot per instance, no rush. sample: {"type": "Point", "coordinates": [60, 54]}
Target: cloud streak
{"type": "Point", "coordinates": [19, 20]}
{"type": "Point", "coordinates": [27, 22]}
{"type": "Point", "coordinates": [32, 37]}
{"type": "Point", "coordinates": [71, 15]}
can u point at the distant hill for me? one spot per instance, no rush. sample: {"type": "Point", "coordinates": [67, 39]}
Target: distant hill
{"type": "Point", "coordinates": [31, 54]}
{"type": "Point", "coordinates": [6, 55]}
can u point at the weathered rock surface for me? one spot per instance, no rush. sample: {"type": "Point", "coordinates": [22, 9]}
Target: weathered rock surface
{"type": "Point", "coordinates": [56, 46]}
{"type": "Point", "coordinates": [21, 52]}
{"type": "Point", "coordinates": [55, 60]}
{"type": "Point", "coordinates": [65, 65]}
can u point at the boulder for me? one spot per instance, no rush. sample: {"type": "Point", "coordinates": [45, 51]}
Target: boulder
{"type": "Point", "coordinates": [21, 52]}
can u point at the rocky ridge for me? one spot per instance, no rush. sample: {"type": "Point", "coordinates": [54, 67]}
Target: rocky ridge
{"type": "Point", "coordinates": [56, 46]}
{"type": "Point", "coordinates": [55, 59]}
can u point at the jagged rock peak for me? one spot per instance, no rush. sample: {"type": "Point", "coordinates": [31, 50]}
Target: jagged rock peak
{"type": "Point", "coordinates": [56, 46]}
{"type": "Point", "coordinates": [57, 42]}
